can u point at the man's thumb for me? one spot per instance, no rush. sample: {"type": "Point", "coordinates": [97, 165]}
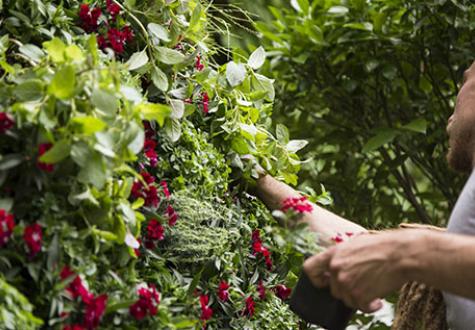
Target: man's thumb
{"type": "Point", "coordinates": [316, 268]}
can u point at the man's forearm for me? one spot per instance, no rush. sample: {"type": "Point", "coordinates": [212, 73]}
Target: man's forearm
{"type": "Point", "coordinates": [442, 260]}
{"type": "Point", "coordinates": [327, 224]}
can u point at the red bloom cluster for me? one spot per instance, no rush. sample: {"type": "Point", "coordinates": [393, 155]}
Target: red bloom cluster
{"type": "Point", "coordinates": [164, 186]}
{"type": "Point", "coordinates": [155, 233]}
{"type": "Point", "coordinates": [206, 311]}
{"type": "Point", "coordinates": [42, 149]}
{"type": "Point", "coordinates": [147, 303]}
{"type": "Point", "coordinates": [149, 193]}
{"type": "Point", "coordinates": [95, 306]}
{"type": "Point", "coordinates": [259, 248]}
{"type": "Point", "coordinates": [89, 18]}
{"type": "Point", "coordinates": [149, 151]}
{"type": "Point", "coordinates": [223, 292]}
{"type": "Point", "coordinates": [172, 215]}
{"type": "Point", "coordinates": [95, 309]}
{"type": "Point", "coordinates": [198, 65]}
{"type": "Point", "coordinates": [73, 327]}
{"type": "Point", "coordinates": [6, 122]}
{"type": "Point", "coordinates": [297, 204]}
{"type": "Point", "coordinates": [113, 37]}
{"type": "Point", "coordinates": [149, 131]}
{"type": "Point", "coordinates": [33, 237]}
{"type": "Point", "coordinates": [282, 291]}
{"type": "Point", "coordinates": [250, 307]}
{"type": "Point", "coordinates": [7, 223]}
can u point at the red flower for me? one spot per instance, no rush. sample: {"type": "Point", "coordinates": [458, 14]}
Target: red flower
{"type": "Point", "coordinates": [148, 302]}
{"type": "Point", "coordinates": [42, 149]}
{"type": "Point", "coordinates": [297, 204]}
{"type": "Point", "coordinates": [349, 234]}
{"type": "Point", "coordinates": [155, 230]}
{"type": "Point", "coordinates": [151, 196]}
{"type": "Point", "coordinates": [149, 151]}
{"type": "Point", "coordinates": [7, 223]}
{"type": "Point", "coordinates": [338, 239]}
{"type": "Point", "coordinates": [259, 248]}
{"type": "Point", "coordinates": [147, 177]}
{"type": "Point", "coordinates": [148, 193]}
{"type": "Point", "coordinates": [198, 65]}
{"type": "Point", "coordinates": [282, 291]}
{"type": "Point", "coordinates": [223, 293]}
{"type": "Point", "coordinates": [75, 288]}
{"type": "Point", "coordinates": [89, 18]}
{"type": "Point", "coordinates": [101, 42]}
{"type": "Point", "coordinates": [6, 122]}
{"type": "Point", "coordinates": [166, 192]}
{"type": "Point", "coordinates": [94, 311]}
{"type": "Point", "coordinates": [205, 103]}
{"type": "Point", "coordinates": [73, 327]}
{"type": "Point", "coordinates": [127, 33]}
{"type": "Point", "coordinates": [149, 132]}
{"type": "Point", "coordinates": [250, 307]}
{"type": "Point", "coordinates": [33, 236]}
{"type": "Point", "coordinates": [172, 215]}
{"type": "Point", "coordinates": [112, 8]}
{"type": "Point", "coordinates": [206, 311]}
{"type": "Point", "coordinates": [261, 290]}
{"type": "Point", "coordinates": [116, 40]}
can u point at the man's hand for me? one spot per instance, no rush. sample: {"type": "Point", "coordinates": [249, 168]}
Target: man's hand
{"type": "Point", "coordinates": [364, 269]}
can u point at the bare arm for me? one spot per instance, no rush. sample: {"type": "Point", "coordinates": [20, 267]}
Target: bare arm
{"type": "Point", "coordinates": [327, 224]}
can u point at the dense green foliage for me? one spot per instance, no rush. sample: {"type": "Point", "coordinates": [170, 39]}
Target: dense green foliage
{"type": "Point", "coordinates": [371, 86]}
{"type": "Point", "coordinates": [100, 114]}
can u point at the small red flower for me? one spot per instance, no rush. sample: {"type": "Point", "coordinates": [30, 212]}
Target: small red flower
{"type": "Point", "coordinates": [94, 311]}
{"type": "Point", "coordinates": [101, 42]}
{"type": "Point", "coordinates": [155, 230]}
{"type": "Point", "coordinates": [172, 216]}
{"type": "Point", "coordinates": [282, 291]}
{"type": "Point", "coordinates": [198, 65]}
{"type": "Point", "coordinates": [116, 40]}
{"type": "Point", "coordinates": [206, 311]}
{"type": "Point", "coordinates": [297, 204]}
{"type": "Point", "coordinates": [112, 8]}
{"type": "Point", "coordinates": [89, 18]}
{"type": "Point", "coordinates": [349, 234]}
{"type": "Point", "coordinates": [147, 177]}
{"type": "Point", "coordinates": [75, 288]}
{"type": "Point", "coordinates": [250, 307]}
{"type": "Point", "coordinates": [147, 303]}
{"type": "Point", "coordinates": [33, 237]}
{"type": "Point", "coordinates": [6, 122]}
{"type": "Point", "coordinates": [7, 223]}
{"type": "Point", "coordinates": [223, 293]}
{"type": "Point", "coordinates": [151, 196]}
{"type": "Point", "coordinates": [338, 239]}
{"type": "Point", "coordinates": [127, 33]}
{"type": "Point", "coordinates": [205, 103]}
{"type": "Point", "coordinates": [42, 149]}
{"type": "Point", "coordinates": [261, 290]}
{"type": "Point", "coordinates": [166, 192]}
{"type": "Point", "coordinates": [149, 151]}
{"type": "Point", "coordinates": [259, 248]}
{"type": "Point", "coordinates": [149, 131]}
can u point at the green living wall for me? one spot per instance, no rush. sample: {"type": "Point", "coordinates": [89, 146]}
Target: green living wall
{"type": "Point", "coordinates": [124, 153]}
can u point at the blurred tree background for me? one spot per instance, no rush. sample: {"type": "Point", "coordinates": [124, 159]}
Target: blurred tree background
{"type": "Point", "coordinates": [370, 84]}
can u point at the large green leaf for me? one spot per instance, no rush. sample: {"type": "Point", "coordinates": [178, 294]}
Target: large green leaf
{"type": "Point", "coordinates": [63, 84]}
{"type": "Point", "coordinates": [154, 111]}
{"type": "Point", "coordinates": [57, 153]}
{"type": "Point", "coordinates": [383, 137]}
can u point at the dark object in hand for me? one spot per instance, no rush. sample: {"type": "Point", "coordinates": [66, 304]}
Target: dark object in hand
{"type": "Point", "coordinates": [318, 306]}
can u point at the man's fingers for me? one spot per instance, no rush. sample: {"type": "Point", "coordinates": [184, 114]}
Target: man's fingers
{"type": "Point", "coordinates": [316, 268]}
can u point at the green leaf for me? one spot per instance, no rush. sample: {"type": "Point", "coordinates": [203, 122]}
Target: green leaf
{"type": "Point", "coordinates": [137, 60]}
{"type": "Point", "coordinates": [235, 73]}
{"type": "Point", "coordinates": [173, 130]}
{"type": "Point", "coordinates": [32, 52]}
{"type": "Point", "coordinates": [295, 145]}
{"type": "Point", "coordinates": [88, 125]}
{"type": "Point", "coordinates": [239, 145]}
{"type": "Point", "coordinates": [74, 53]}
{"type": "Point", "coordinates": [158, 32]}
{"type": "Point", "coordinates": [366, 26]}
{"type": "Point", "coordinates": [338, 10]}
{"type": "Point", "coordinates": [160, 79]}
{"type": "Point", "coordinates": [55, 49]}
{"type": "Point", "coordinates": [178, 108]}
{"type": "Point", "coordinates": [154, 111]}
{"type": "Point", "coordinates": [282, 134]}
{"type": "Point", "coordinates": [94, 171]}
{"type": "Point", "coordinates": [248, 131]}
{"type": "Point", "coordinates": [29, 90]}
{"type": "Point", "coordinates": [57, 153]}
{"type": "Point", "coordinates": [257, 58]}
{"type": "Point", "coordinates": [265, 84]}
{"type": "Point", "coordinates": [418, 125]}
{"type": "Point", "coordinates": [377, 141]}
{"type": "Point", "coordinates": [10, 161]}
{"type": "Point", "coordinates": [169, 56]}
{"type": "Point", "coordinates": [63, 84]}
{"type": "Point", "coordinates": [104, 100]}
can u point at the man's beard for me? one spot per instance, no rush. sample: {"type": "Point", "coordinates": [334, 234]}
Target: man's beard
{"type": "Point", "coordinates": [461, 147]}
